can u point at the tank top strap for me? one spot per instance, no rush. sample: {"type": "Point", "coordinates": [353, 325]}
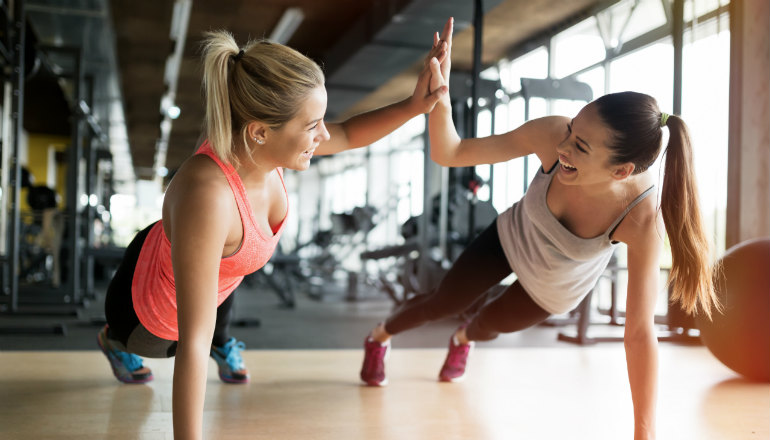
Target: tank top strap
{"type": "Point", "coordinates": [206, 149]}
{"type": "Point", "coordinates": [236, 184]}
{"type": "Point", "coordinates": [628, 209]}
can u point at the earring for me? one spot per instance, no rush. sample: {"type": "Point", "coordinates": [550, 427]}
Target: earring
{"type": "Point", "coordinates": [259, 141]}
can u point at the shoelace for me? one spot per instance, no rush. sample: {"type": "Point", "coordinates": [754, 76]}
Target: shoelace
{"type": "Point", "coordinates": [233, 355]}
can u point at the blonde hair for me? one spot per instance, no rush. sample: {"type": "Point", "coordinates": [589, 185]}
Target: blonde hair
{"type": "Point", "coordinates": [268, 82]}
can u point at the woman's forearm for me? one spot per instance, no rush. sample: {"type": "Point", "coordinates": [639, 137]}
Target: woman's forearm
{"type": "Point", "coordinates": [642, 362]}
{"type": "Point", "coordinates": [366, 128]}
{"type": "Point", "coordinates": [190, 375]}
{"type": "Point", "coordinates": [444, 140]}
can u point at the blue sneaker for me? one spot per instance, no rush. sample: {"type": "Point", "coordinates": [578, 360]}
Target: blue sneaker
{"type": "Point", "coordinates": [230, 362]}
{"type": "Point", "coordinates": [126, 367]}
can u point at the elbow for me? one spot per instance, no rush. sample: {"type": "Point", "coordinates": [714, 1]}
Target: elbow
{"type": "Point", "coordinates": [445, 153]}
{"type": "Point", "coordinates": [437, 157]}
{"type": "Point", "coordinates": [195, 343]}
{"type": "Point", "coordinates": [192, 352]}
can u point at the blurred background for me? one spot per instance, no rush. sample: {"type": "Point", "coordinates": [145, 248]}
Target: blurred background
{"type": "Point", "coordinates": [102, 103]}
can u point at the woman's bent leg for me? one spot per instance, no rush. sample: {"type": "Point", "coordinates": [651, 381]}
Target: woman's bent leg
{"type": "Point", "coordinates": [480, 266]}
{"type": "Point", "coordinates": [222, 325]}
{"type": "Point", "coordinates": [122, 321]}
{"type": "Point", "coordinates": [514, 310]}
{"type": "Point", "coordinates": [118, 302]}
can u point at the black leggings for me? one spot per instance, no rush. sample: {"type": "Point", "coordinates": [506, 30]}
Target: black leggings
{"type": "Point", "coordinates": [481, 265]}
{"type": "Point", "coordinates": [124, 325]}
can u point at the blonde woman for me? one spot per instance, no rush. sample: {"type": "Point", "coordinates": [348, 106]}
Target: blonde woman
{"type": "Point", "coordinates": [225, 210]}
{"type": "Point", "coordinates": [593, 191]}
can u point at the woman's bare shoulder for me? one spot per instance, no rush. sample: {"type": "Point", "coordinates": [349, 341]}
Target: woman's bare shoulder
{"type": "Point", "coordinates": [553, 130]}
{"type": "Point", "coordinates": [643, 225]}
{"type": "Point", "coordinates": [198, 184]}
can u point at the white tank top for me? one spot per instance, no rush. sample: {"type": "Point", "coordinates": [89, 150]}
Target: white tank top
{"type": "Point", "coordinates": [556, 267]}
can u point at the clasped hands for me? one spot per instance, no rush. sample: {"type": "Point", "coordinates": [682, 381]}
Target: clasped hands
{"type": "Point", "coordinates": [433, 81]}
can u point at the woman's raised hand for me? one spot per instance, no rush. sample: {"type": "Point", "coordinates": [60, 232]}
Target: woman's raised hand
{"type": "Point", "coordinates": [445, 40]}
{"type": "Point", "coordinates": [433, 82]}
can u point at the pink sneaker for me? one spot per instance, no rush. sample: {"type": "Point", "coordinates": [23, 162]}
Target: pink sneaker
{"type": "Point", "coordinates": [453, 369]}
{"type": "Point", "coordinates": [373, 370]}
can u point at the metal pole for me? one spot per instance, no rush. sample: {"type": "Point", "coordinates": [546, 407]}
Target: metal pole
{"type": "Point", "coordinates": [478, 28]}
{"type": "Point", "coordinates": [443, 217]}
{"type": "Point", "coordinates": [18, 126]}
{"type": "Point", "coordinates": [492, 121]}
{"type": "Point", "coordinates": [90, 185]}
{"type": "Point", "coordinates": [423, 232]}
{"type": "Point", "coordinates": [677, 32]}
{"type": "Point", "coordinates": [75, 152]}
{"type": "Point", "coordinates": [478, 32]}
{"type": "Point", "coordinates": [526, 158]}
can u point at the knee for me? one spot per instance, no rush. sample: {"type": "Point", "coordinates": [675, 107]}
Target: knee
{"type": "Point", "coordinates": [477, 330]}
{"type": "Point", "coordinates": [489, 324]}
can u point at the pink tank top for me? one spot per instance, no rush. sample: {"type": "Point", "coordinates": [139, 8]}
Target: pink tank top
{"type": "Point", "coordinates": [153, 289]}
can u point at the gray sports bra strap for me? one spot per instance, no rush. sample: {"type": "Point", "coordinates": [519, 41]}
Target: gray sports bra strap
{"type": "Point", "coordinates": [628, 209]}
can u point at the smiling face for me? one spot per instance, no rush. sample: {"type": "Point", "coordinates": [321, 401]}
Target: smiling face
{"type": "Point", "coordinates": [292, 145]}
{"type": "Point", "coordinates": [584, 158]}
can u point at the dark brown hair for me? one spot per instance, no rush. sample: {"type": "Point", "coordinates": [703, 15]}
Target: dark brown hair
{"type": "Point", "coordinates": [637, 130]}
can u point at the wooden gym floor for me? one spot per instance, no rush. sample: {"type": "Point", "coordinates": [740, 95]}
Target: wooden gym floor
{"type": "Point", "coordinates": [510, 393]}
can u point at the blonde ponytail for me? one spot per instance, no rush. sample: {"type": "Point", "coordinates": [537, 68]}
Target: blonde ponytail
{"type": "Point", "coordinates": [268, 82]}
{"type": "Point", "coordinates": [219, 50]}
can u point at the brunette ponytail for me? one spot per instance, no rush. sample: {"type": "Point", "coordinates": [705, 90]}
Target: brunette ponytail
{"type": "Point", "coordinates": [636, 124]}
{"type": "Point", "coordinates": [691, 278]}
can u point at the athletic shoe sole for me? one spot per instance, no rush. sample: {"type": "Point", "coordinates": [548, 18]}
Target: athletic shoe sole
{"type": "Point", "coordinates": [115, 371]}
{"type": "Point", "coordinates": [229, 379]}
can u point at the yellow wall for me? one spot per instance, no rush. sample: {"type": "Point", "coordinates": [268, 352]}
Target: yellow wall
{"type": "Point", "coordinates": [37, 164]}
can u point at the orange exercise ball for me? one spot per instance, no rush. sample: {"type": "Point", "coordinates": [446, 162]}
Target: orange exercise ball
{"type": "Point", "coordinates": [740, 336]}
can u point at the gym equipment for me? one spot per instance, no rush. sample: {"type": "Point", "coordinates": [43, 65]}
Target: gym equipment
{"type": "Point", "coordinates": [279, 275]}
{"type": "Point", "coordinates": [418, 272]}
{"type": "Point", "coordinates": [29, 285]}
{"type": "Point", "coordinates": [740, 336]}
{"type": "Point", "coordinates": [310, 265]}
{"type": "Point", "coordinates": [41, 232]}
{"type": "Point", "coordinates": [452, 213]}
{"type": "Point", "coordinates": [673, 326]}
{"type": "Point", "coordinates": [453, 217]}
